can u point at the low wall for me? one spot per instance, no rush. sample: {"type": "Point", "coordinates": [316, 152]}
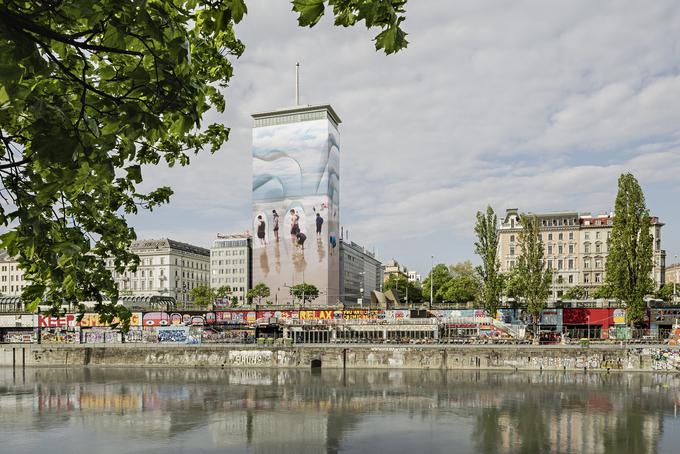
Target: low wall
{"type": "Point", "coordinates": [351, 357]}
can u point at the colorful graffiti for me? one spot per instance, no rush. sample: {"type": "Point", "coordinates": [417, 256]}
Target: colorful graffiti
{"type": "Point", "coordinates": [88, 321]}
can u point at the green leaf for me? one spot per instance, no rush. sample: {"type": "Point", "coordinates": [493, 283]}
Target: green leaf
{"type": "Point", "coordinates": [238, 10]}
{"type": "Point", "coordinates": [310, 11]}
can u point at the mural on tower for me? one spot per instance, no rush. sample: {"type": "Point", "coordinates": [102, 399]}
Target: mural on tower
{"type": "Point", "coordinates": [296, 207]}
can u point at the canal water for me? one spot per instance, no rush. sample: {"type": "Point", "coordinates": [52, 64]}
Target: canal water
{"type": "Point", "coordinates": [299, 411]}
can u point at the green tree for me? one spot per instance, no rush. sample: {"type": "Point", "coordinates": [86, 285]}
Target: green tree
{"type": "Point", "coordinates": [534, 277]}
{"type": "Point", "coordinates": [575, 293]}
{"type": "Point", "coordinates": [304, 292]}
{"type": "Point", "coordinates": [604, 291]}
{"type": "Point", "coordinates": [464, 284]}
{"type": "Point", "coordinates": [630, 260]}
{"type": "Point", "coordinates": [259, 291]}
{"type": "Point", "coordinates": [90, 92]}
{"type": "Point", "coordinates": [203, 295]}
{"type": "Point", "coordinates": [486, 247]}
{"type": "Point", "coordinates": [401, 284]}
{"type": "Point", "coordinates": [512, 285]}
{"type": "Point", "coordinates": [665, 292]}
{"type": "Point", "coordinates": [440, 276]}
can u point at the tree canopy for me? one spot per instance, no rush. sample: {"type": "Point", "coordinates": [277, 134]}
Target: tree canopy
{"type": "Point", "coordinates": [203, 295]}
{"type": "Point", "coordinates": [401, 283]}
{"type": "Point", "coordinates": [259, 291]}
{"type": "Point", "coordinates": [486, 247]}
{"type": "Point", "coordinates": [90, 93]}
{"type": "Point", "coordinates": [454, 284]}
{"type": "Point", "coordinates": [630, 260]}
{"type": "Point", "coordinates": [304, 292]}
{"type": "Point", "coordinates": [533, 276]}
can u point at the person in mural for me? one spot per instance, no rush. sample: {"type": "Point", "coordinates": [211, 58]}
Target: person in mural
{"type": "Point", "coordinates": [301, 238]}
{"type": "Point", "coordinates": [295, 225]}
{"type": "Point", "coordinates": [275, 220]}
{"type": "Point", "coordinates": [319, 223]}
{"type": "Point", "coordinates": [261, 230]}
{"type": "Point", "coordinates": [333, 242]}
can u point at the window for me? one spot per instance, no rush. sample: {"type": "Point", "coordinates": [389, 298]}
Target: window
{"type": "Point", "coordinates": [598, 278]}
{"type": "Point", "coordinates": [571, 278]}
{"type": "Point", "coordinates": [598, 263]}
{"type": "Point", "coordinates": [560, 279]}
{"type": "Point", "coordinates": [512, 238]}
{"type": "Point", "coordinates": [560, 249]}
{"type": "Point", "coordinates": [560, 237]}
{"type": "Point", "coordinates": [586, 278]}
{"type": "Point", "coordinates": [597, 235]}
{"type": "Point", "coordinates": [586, 248]}
{"type": "Point", "coordinates": [598, 247]}
{"type": "Point", "coordinates": [571, 235]}
{"type": "Point", "coordinates": [559, 264]}
{"type": "Point", "coordinates": [571, 248]}
{"type": "Point", "coordinates": [142, 273]}
{"type": "Point", "coordinates": [162, 260]}
{"type": "Point", "coordinates": [550, 264]}
{"type": "Point", "coordinates": [550, 251]}
{"type": "Point", "coordinates": [586, 236]}
{"type": "Point", "coordinates": [571, 264]}
{"type": "Point", "coordinates": [549, 236]}
{"type": "Point", "coordinates": [586, 263]}
{"type": "Point", "coordinates": [512, 250]}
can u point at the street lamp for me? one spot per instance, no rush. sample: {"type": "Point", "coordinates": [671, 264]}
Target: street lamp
{"type": "Point", "coordinates": [431, 279]}
{"type": "Point", "coordinates": [677, 272]}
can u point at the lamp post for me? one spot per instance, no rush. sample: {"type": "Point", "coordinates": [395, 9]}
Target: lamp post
{"type": "Point", "coordinates": [677, 273]}
{"type": "Point", "coordinates": [431, 279]}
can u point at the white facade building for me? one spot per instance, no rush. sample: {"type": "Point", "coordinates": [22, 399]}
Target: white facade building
{"type": "Point", "coordinates": [166, 268]}
{"type": "Point", "coordinates": [231, 264]}
{"type": "Point", "coordinates": [414, 276]}
{"type": "Point", "coordinates": [11, 276]}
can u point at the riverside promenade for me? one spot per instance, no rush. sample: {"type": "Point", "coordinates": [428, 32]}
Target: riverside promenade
{"type": "Point", "coordinates": [607, 357]}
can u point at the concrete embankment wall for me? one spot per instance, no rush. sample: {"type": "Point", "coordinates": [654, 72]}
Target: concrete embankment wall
{"type": "Point", "coordinates": [351, 357]}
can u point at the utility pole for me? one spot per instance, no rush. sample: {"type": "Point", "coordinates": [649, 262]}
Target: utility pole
{"type": "Point", "coordinates": [297, 83]}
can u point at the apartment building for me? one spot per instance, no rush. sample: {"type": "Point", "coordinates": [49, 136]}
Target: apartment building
{"type": "Point", "coordinates": [575, 247]}
{"type": "Point", "coordinates": [231, 263]}
{"type": "Point", "coordinates": [166, 268]}
{"type": "Point", "coordinates": [11, 276]}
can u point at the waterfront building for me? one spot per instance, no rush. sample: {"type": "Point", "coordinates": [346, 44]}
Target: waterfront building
{"type": "Point", "coordinates": [672, 275]}
{"type": "Point", "coordinates": [393, 268]}
{"type": "Point", "coordinates": [231, 264]}
{"type": "Point", "coordinates": [360, 274]}
{"type": "Point", "coordinates": [296, 201]}
{"type": "Point", "coordinates": [166, 268]}
{"type": "Point", "coordinates": [11, 276]}
{"type": "Point", "coordinates": [575, 247]}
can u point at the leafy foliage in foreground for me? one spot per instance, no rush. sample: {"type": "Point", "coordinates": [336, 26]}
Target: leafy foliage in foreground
{"type": "Point", "coordinates": [90, 92]}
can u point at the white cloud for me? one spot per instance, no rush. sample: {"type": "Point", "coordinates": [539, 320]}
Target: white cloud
{"type": "Point", "coordinates": [530, 104]}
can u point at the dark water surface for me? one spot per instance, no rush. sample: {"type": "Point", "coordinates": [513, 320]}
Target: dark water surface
{"type": "Point", "coordinates": [269, 411]}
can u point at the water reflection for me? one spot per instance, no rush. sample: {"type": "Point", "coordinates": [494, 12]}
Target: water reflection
{"type": "Point", "coordinates": [262, 411]}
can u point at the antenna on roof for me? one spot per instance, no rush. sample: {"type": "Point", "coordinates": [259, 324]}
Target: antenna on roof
{"type": "Point", "coordinates": [297, 83]}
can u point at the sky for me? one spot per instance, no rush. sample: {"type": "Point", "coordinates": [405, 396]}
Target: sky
{"type": "Point", "coordinates": [532, 105]}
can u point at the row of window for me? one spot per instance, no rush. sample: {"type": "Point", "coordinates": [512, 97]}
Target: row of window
{"type": "Point", "coordinates": [570, 248]}
{"type": "Point", "coordinates": [570, 263]}
{"type": "Point", "coordinates": [11, 267]}
{"type": "Point", "coordinates": [12, 277]}
{"type": "Point", "coordinates": [13, 288]}
{"type": "Point", "coordinates": [228, 280]}
{"type": "Point", "coordinates": [560, 236]}
{"type": "Point", "coordinates": [148, 261]}
{"type": "Point", "coordinates": [228, 262]}
{"type": "Point", "coordinates": [228, 253]}
{"type": "Point", "coordinates": [229, 271]}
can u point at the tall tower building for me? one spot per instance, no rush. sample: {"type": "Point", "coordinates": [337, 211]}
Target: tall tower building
{"type": "Point", "coordinates": [296, 201]}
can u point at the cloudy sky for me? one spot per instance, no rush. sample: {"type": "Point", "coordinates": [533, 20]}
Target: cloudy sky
{"type": "Point", "coordinates": [528, 104]}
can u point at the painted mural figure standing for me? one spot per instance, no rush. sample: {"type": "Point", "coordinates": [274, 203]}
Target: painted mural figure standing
{"type": "Point", "coordinates": [275, 218]}
{"type": "Point", "coordinates": [261, 230]}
